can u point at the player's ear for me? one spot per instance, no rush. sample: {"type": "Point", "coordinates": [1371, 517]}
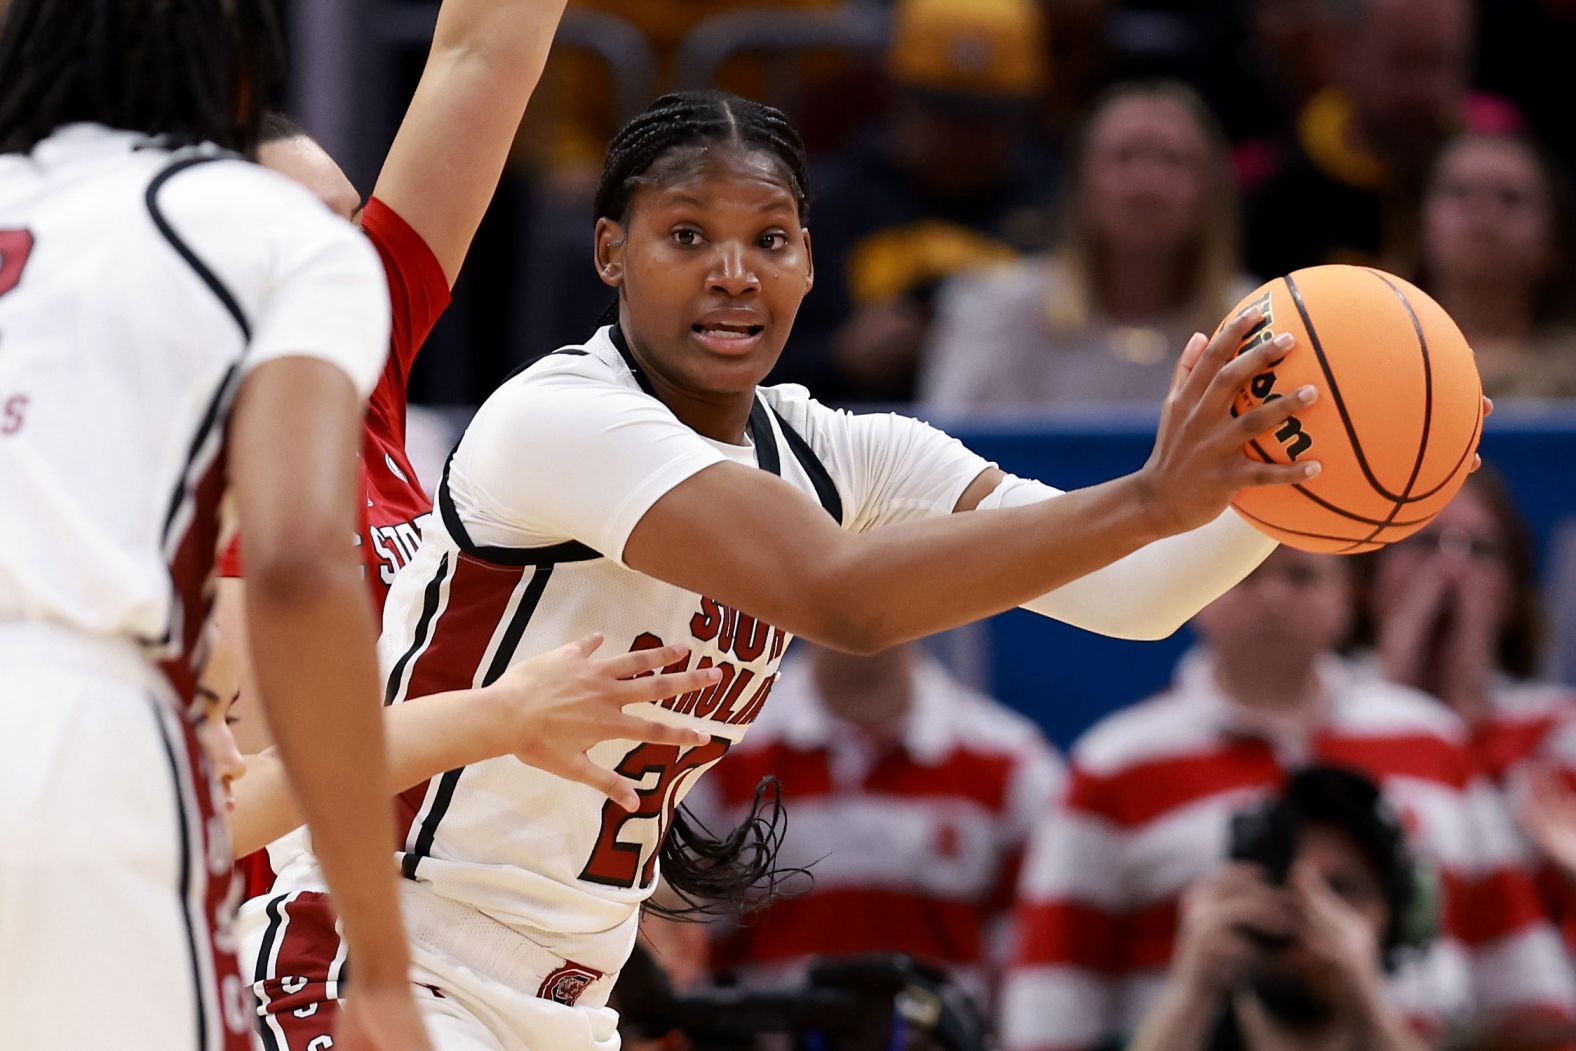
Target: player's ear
{"type": "Point", "coordinates": [609, 249]}
{"type": "Point", "coordinates": [809, 270]}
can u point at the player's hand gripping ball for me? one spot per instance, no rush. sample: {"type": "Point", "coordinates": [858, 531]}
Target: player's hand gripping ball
{"type": "Point", "coordinates": [1398, 417]}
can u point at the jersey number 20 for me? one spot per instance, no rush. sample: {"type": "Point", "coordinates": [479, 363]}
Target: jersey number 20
{"type": "Point", "coordinates": [617, 864]}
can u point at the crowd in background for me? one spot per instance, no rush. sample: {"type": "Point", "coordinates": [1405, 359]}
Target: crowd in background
{"type": "Point", "coordinates": [1351, 821]}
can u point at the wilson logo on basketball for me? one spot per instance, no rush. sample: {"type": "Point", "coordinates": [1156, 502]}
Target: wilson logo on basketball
{"type": "Point", "coordinates": [566, 985]}
{"type": "Point", "coordinates": [1261, 388]}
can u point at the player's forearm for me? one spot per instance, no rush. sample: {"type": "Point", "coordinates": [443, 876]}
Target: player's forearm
{"type": "Point", "coordinates": [1155, 590]}
{"type": "Point", "coordinates": [918, 578]}
{"type": "Point", "coordinates": [425, 738]}
{"type": "Point", "coordinates": [313, 644]}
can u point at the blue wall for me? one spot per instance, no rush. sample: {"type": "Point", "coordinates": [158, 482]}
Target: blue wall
{"type": "Point", "coordinates": [1067, 679]}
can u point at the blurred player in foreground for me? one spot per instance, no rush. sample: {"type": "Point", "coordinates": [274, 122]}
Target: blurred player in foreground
{"type": "Point", "coordinates": [170, 311]}
{"type": "Point", "coordinates": [642, 483]}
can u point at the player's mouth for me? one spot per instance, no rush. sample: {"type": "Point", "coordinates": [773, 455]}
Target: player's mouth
{"type": "Point", "coordinates": [732, 337]}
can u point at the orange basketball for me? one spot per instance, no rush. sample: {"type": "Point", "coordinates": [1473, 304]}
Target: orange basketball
{"type": "Point", "coordinates": [1398, 417]}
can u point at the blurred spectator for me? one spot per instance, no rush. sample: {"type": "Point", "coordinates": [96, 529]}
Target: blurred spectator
{"type": "Point", "coordinates": [951, 179]}
{"type": "Point", "coordinates": [1346, 186]}
{"type": "Point", "coordinates": [1149, 253]}
{"type": "Point", "coordinates": [1454, 611]}
{"type": "Point", "coordinates": [1287, 946]}
{"type": "Point", "coordinates": [911, 796]}
{"type": "Point", "coordinates": [1493, 254]}
{"type": "Point", "coordinates": [1152, 788]}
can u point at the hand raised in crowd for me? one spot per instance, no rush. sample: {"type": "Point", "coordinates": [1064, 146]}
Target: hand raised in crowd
{"type": "Point", "coordinates": [1548, 815]}
{"type": "Point", "coordinates": [556, 707]}
{"type": "Point", "coordinates": [1198, 465]}
{"type": "Point", "coordinates": [1225, 918]}
{"type": "Point", "coordinates": [1440, 610]}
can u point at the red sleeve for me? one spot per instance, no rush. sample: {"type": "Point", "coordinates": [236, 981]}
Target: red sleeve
{"type": "Point", "coordinates": [418, 294]}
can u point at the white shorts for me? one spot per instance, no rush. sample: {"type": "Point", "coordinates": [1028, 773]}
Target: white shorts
{"type": "Point", "coordinates": [114, 931]}
{"type": "Point", "coordinates": [479, 985]}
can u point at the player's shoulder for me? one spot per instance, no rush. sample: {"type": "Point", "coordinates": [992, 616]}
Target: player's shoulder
{"type": "Point", "coordinates": [224, 190]}
{"type": "Point", "coordinates": [594, 365]}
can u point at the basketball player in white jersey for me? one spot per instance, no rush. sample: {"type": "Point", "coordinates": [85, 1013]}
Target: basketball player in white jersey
{"type": "Point", "coordinates": [643, 484]}
{"type": "Point", "coordinates": [170, 315]}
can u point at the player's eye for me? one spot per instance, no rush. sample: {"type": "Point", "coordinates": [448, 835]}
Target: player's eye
{"type": "Point", "coordinates": [687, 236]}
{"type": "Point", "coordinates": [775, 241]}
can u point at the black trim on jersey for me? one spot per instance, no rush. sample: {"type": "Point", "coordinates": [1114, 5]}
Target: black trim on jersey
{"type": "Point", "coordinates": [621, 344]}
{"type": "Point", "coordinates": [820, 477]}
{"type": "Point", "coordinates": [568, 551]}
{"type": "Point", "coordinates": [517, 624]}
{"type": "Point", "coordinates": [209, 278]}
{"type": "Point", "coordinates": [571, 352]}
{"type": "Point", "coordinates": [429, 827]}
{"type": "Point", "coordinates": [767, 456]}
{"type": "Point", "coordinates": [529, 602]}
{"type": "Point", "coordinates": [261, 975]}
{"type": "Point", "coordinates": [181, 818]}
{"type": "Point", "coordinates": [429, 609]}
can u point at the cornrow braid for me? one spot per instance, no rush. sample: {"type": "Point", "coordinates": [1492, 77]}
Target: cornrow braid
{"type": "Point", "coordinates": [187, 70]}
{"type": "Point", "coordinates": [697, 118]}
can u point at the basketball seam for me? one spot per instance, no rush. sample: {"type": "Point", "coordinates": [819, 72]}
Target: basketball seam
{"type": "Point", "coordinates": [1301, 532]}
{"type": "Point", "coordinates": [1335, 389]}
{"type": "Point", "coordinates": [1428, 402]}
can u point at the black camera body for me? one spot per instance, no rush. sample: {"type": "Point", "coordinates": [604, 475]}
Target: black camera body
{"type": "Point", "coordinates": [863, 1003]}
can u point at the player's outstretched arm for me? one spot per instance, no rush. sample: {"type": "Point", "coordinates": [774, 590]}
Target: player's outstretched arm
{"type": "Point", "coordinates": [295, 431]}
{"type": "Point", "coordinates": [443, 169]}
{"type": "Point", "coordinates": [867, 592]}
{"type": "Point", "coordinates": [549, 711]}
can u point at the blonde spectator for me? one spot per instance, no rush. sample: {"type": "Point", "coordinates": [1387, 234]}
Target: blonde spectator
{"type": "Point", "coordinates": [1492, 254]}
{"type": "Point", "coordinates": [1150, 252]}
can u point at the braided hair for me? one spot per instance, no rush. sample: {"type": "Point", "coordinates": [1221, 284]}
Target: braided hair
{"type": "Point", "coordinates": [689, 119]}
{"type": "Point", "coordinates": [735, 872]}
{"type": "Point", "coordinates": [187, 70]}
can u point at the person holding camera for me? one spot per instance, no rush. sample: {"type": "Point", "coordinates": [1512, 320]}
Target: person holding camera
{"type": "Point", "coordinates": [1281, 956]}
{"type": "Point", "coordinates": [1151, 794]}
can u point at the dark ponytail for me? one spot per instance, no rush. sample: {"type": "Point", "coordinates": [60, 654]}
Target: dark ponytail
{"type": "Point", "coordinates": [733, 874]}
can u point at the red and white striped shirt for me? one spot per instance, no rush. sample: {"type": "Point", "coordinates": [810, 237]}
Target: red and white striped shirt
{"type": "Point", "coordinates": [1151, 792]}
{"type": "Point", "coordinates": [915, 845]}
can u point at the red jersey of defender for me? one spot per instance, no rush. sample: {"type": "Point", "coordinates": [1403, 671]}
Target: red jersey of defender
{"type": "Point", "coordinates": [395, 503]}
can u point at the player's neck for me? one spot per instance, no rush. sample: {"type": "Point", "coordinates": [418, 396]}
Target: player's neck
{"type": "Point", "coordinates": [721, 416]}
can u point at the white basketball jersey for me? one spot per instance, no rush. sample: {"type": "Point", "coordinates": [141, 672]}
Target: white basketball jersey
{"type": "Point", "coordinates": [525, 554]}
{"type": "Point", "coordinates": [138, 287]}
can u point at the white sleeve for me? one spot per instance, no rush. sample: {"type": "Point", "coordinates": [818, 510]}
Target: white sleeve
{"type": "Point", "coordinates": [568, 456]}
{"type": "Point", "coordinates": [306, 282]}
{"type": "Point", "coordinates": [888, 468]}
{"type": "Point", "coordinates": [1158, 588]}
{"type": "Point", "coordinates": [330, 301]}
